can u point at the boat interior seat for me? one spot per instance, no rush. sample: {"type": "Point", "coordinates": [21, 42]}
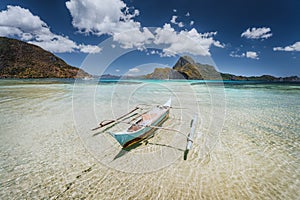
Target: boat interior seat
{"type": "Point", "coordinates": [146, 117]}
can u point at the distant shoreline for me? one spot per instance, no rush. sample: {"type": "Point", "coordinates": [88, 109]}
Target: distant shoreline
{"type": "Point", "coordinates": [21, 60]}
{"type": "Point", "coordinates": [193, 82]}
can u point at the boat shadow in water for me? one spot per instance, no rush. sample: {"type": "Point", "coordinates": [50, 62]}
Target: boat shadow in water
{"type": "Point", "coordinates": [164, 145]}
{"type": "Point", "coordinates": [125, 150]}
{"type": "Point", "coordinates": [185, 152]}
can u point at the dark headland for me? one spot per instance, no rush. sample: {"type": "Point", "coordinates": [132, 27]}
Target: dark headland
{"type": "Point", "coordinates": [23, 60]}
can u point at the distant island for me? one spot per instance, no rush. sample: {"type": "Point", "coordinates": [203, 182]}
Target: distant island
{"type": "Point", "coordinates": [187, 68]}
{"type": "Point", "coordinates": [23, 60]}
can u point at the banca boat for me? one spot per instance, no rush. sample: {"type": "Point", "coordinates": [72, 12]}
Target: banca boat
{"type": "Point", "coordinates": [144, 126]}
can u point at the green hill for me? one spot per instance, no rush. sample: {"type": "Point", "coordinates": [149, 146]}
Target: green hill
{"type": "Point", "coordinates": [186, 68]}
{"type": "Point", "coordinates": [22, 60]}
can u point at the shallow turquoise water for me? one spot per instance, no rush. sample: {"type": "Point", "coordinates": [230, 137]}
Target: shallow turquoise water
{"type": "Point", "coordinates": [247, 146]}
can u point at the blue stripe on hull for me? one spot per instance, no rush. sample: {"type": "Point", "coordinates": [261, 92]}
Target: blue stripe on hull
{"type": "Point", "coordinates": [128, 139]}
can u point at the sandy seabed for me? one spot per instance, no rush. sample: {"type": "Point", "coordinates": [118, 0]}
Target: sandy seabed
{"type": "Point", "coordinates": [49, 152]}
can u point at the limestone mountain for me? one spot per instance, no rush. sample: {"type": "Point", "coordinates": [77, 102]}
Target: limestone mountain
{"type": "Point", "coordinates": [22, 60]}
{"type": "Point", "coordinates": [186, 68]}
{"type": "Point", "coordinates": [192, 70]}
{"type": "Point", "coordinates": [164, 73]}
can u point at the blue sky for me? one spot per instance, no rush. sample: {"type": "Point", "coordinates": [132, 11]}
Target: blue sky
{"type": "Point", "coordinates": [241, 37]}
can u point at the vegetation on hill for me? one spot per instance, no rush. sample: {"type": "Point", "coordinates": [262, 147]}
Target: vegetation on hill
{"type": "Point", "coordinates": [186, 68]}
{"type": "Point", "coordinates": [164, 73]}
{"type": "Point", "coordinates": [22, 60]}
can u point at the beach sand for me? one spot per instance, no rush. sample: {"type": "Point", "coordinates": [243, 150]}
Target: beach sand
{"type": "Point", "coordinates": [247, 144]}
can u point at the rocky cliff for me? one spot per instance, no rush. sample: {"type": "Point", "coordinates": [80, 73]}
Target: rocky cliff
{"type": "Point", "coordinates": [165, 73]}
{"type": "Point", "coordinates": [186, 68]}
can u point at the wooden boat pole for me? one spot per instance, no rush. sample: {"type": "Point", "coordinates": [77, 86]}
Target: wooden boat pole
{"type": "Point", "coordinates": [107, 122]}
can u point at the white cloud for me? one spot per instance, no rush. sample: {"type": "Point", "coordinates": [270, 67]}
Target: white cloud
{"type": "Point", "coordinates": [102, 16]}
{"type": "Point", "coordinates": [185, 41]}
{"type": "Point", "coordinates": [173, 20]}
{"type": "Point", "coordinates": [9, 31]}
{"type": "Point", "coordinates": [218, 44]}
{"type": "Point", "coordinates": [20, 22]}
{"type": "Point", "coordinates": [192, 23]}
{"type": "Point", "coordinates": [180, 24]}
{"type": "Point", "coordinates": [114, 18]}
{"type": "Point", "coordinates": [17, 21]}
{"type": "Point", "coordinates": [236, 55]}
{"type": "Point", "coordinates": [18, 17]}
{"type": "Point", "coordinates": [252, 54]}
{"type": "Point", "coordinates": [89, 48]}
{"type": "Point", "coordinates": [134, 38]}
{"type": "Point", "coordinates": [257, 33]}
{"type": "Point", "coordinates": [187, 14]}
{"type": "Point", "coordinates": [248, 54]}
{"type": "Point", "coordinates": [54, 43]}
{"type": "Point", "coordinates": [134, 70]}
{"type": "Point", "coordinates": [293, 47]}
{"type": "Point", "coordinates": [153, 52]}
{"type": "Point", "coordinates": [117, 70]}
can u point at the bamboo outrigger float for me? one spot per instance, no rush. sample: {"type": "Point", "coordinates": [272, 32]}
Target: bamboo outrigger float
{"type": "Point", "coordinates": [144, 125]}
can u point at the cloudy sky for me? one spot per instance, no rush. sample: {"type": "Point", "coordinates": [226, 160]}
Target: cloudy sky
{"type": "Point", "coordinates": [240, 37]}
